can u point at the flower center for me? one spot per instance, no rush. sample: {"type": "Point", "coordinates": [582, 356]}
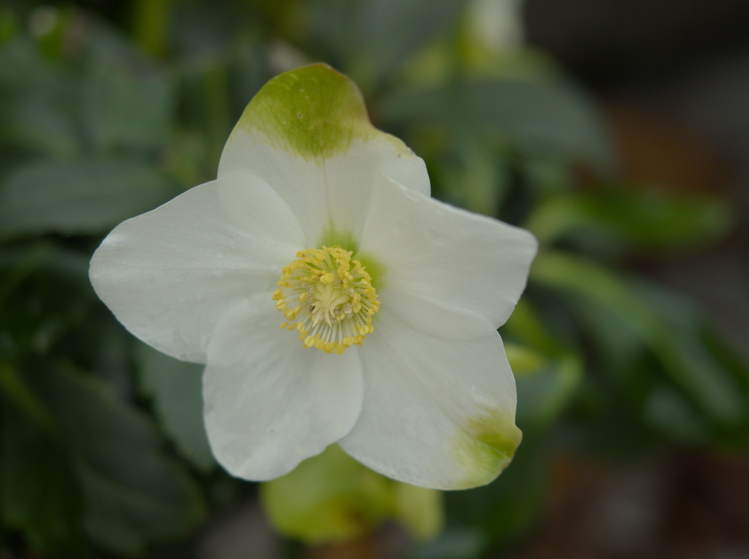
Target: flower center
{"type": "Point", "coordinates": [328, 298]}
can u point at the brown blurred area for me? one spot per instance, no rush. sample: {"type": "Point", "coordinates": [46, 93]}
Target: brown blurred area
{"type": "Point", "coordinates": [673, 76]}
{"type": "Point", "coordinates": [681, 506]}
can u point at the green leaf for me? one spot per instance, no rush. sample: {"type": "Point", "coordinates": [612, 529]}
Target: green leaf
{"type": "Point", "coordinates": [38, 106]}
{"type": "Point", "coordinates": [333, 498]}
{"type": "Point", "coordinates": [372, 38]}
{"type": "Point", "coordinates": [628, 217]}
{"type": "Point", "coordinates": [544, 395]}
{"type": "Point", "coordinates": [177, 391]}
{"type": "Point", "coordinates": [16, 390]}
{"type": "Point", "coordinates": [132, 493]}
{"type": "Point", "coordinates": [653, 345]}
{"type": "Point", "coordinates": [40, 495]}
{"type": "Point", "coordinates": [78, 197]}
{"type": "Point", "coordinates": [40, 120]}
{"type": "Point", "coordinates": [548, 117]}
{"type": "Point", "coordinates": [44, 292]}
{"type": "Point", "coordinates": [127, 103]}
{"type": "Point", "coordinates": [550, 373]}
{"type": "Point", "coordinates": [483, 518]}
{"type": "Point", "coordinates": [327, 498]}
{"type": "Point", "coordinates": [420, 510]}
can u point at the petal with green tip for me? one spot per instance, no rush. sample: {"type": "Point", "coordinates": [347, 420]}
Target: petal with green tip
{"type": "Point", "coordinates": [308, 135]}
{"type": "Point", "coordinates": [436, 413]}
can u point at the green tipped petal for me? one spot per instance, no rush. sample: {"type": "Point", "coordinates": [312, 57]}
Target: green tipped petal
{"type": "Point", "coordinates": [437, 413]}
{"type": "Point", "coordinates": [313, 111]}
{"type": "Point", "coordinates": [486, 447]}
{"type": "Point", "coordinates": [307, 135]}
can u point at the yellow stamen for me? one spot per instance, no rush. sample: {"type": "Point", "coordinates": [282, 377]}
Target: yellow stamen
{"type": "Point", "coordinates": [328, 298]}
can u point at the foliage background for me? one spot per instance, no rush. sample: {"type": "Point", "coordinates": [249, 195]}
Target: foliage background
{"type": "Point", "coordinates": [109, 109]}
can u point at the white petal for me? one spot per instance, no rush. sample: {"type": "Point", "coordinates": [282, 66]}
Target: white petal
{"type": "Point", "coordinates": [326, 193]}
{"type": "Point", "coordinates": [170, 274]}
{"type": "Point", "coordinates": [269, 402]}
{"type": "Point", "coordinates": [436, 414]}
{"type": "Point", "coordinates": [443, 267]}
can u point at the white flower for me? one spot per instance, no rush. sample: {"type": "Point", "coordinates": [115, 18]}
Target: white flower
{"type": "Point", "coordinates": [390, 300]}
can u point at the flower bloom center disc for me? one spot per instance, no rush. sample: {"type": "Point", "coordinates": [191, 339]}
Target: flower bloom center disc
{"type": "Point", "coordinates": [328, 298]}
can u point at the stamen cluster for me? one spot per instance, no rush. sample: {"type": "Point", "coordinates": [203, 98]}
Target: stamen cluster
{"type": "Point", "coordinates": [328, 298]}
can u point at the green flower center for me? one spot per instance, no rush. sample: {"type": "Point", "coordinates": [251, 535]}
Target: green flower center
{"type": "Point", "coordinates": [328, 298]}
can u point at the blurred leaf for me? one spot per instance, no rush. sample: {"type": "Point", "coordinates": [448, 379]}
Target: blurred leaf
{"type": "Point", "coordinates": [8, 24]}
{"type": "Point", "coordinates": [201, 31]}
{"type": "Point", "coordinates": [523, 360]}
{"type": "Point", "coordinates": [126, 105]}
{"type": "Point", "coordinates": [18, 392]}
{"type": "Point", "coordinates": [79, 197]}
{"type": "Point", "coordinates": [177, 391]}
{"type": "Point", "coordinates": [526, 326]}
{"type": "Point", "coordinates": [206, 104]}
{"type": "Point", "coordinates": [480, 519]}
{"type": "Point", "coordinates": [630, 218]}
{"type": "Point", "coordinates": [44, 292]}
{"type": "Point", "coordinates": [38, 108]}
{"type": "Point", "coordinates": [369, 39]}
{"type": "Point", "coordinates": [473, 177]}
{"type": "Point", "coordinates": [22, 66]}
{"type": "Point", "coordinates": [333, 498]}
{"type": "Point", "coordinates": [112, 98]}
{"type": "Point", "coordinates": [132, 493]}
{"type": "Point", "coordinates": [549, 374]}
{"type": "Point", "coordinates": [548, 117]}
{"type": "Point", "coordinates": [701, 346]}
{"type": "Point", "coordinates": [40, 495]}
{"type": "Point", "coordinates": [327, 498]}
{"type": "Point", "coordinates": [624, 320]}
{"type": "Point", "coordinates": [606, 417]}
{"type": "Point", "coordinates": [454, 543]}
{"type": "Point", "coordinates": [40, 120]}
{"type": "Point", "coordinates": [126, 101]}
{"type": "Point", "coordinates": [151, 27]}
{"type": "Point", "coordinates": [420, 510]}
{"type": "Point", "coordinates": [544, 395]}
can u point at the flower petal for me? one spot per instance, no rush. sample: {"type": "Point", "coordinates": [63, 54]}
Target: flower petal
{"type": "Point", "coordinates": [170, 274]}
{"type": "Point", "coordinates": [436, 414]}
{"type": "Point", "coordinates": [446, 267]}
{"type": "Point", "coordinates": [308, 135]}
{"type": "Point", "coordinates": [269, 402]}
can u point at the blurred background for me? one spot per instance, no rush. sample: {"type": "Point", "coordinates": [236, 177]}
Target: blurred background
{"type": "Point", "coordinates": [616, 131]}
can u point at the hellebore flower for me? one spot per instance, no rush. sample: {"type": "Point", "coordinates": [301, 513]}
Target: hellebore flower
{"type": "Point", "coordinates": [331, 299]}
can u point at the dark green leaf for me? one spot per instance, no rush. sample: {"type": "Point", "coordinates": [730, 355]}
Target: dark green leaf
{"type": "Point", "coordinates": [126, 105]}
{"type": "Point", "coordinates": [78, 197]}
{"type": "Point", "coordinates": [544, 391]}
{"type": "Point", "coordinates": [177, 391]}
{"type": "Point", "coordinates": [132, 493]}
{"type": "Point", "coordinates": [371, 38]}
{"type": "Point", "coordinates": [654, 345]}
{"type": "Point", "coordinates": [480, 519]}
{"type": "Point", "coordinates": [44, 292]}
{"type": "Point", "coordinates": [542, 117]}
{"type": "Point", "coordinates": [38, 106]}
{"type": "Point", "coordinates": [40, 495]}
{"type": "Point", "coordinates": [544, 395]}
{"type": "Point", "coordinates": [39, 120]}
